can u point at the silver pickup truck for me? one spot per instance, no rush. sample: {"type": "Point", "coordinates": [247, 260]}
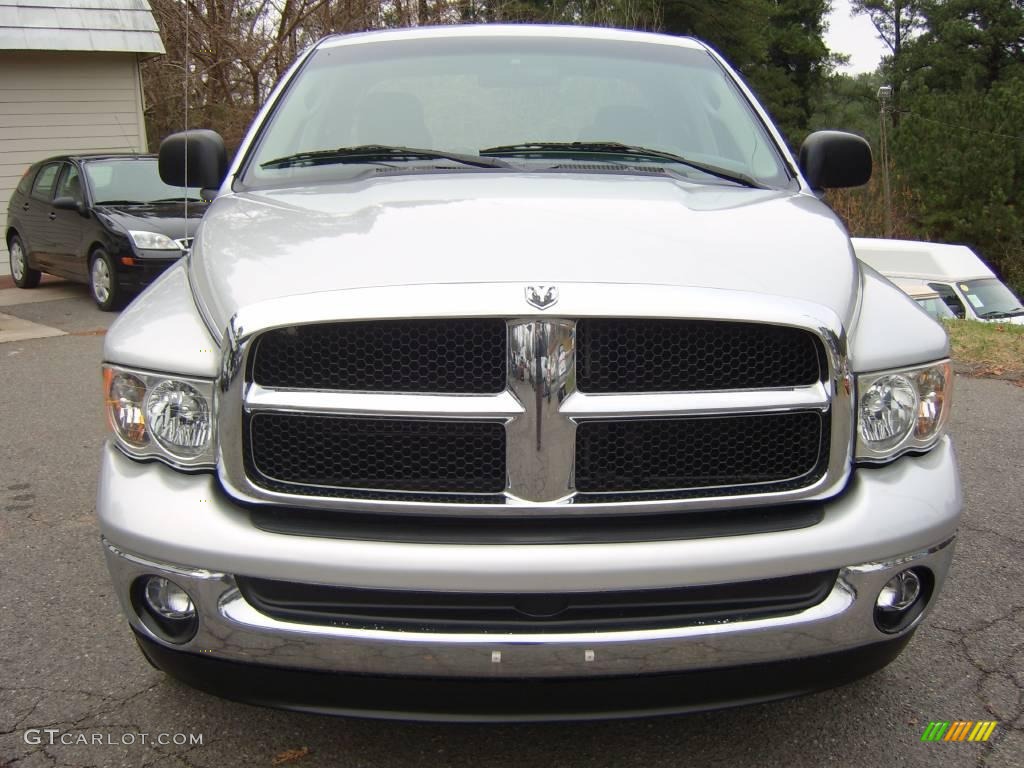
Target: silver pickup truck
{"type": "Point", "coordinates": [521, 373]}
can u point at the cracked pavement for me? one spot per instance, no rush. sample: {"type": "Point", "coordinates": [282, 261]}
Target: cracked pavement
{"type": "Point", "coordinates": [68, 661]}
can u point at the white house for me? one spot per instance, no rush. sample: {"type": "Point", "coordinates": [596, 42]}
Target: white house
{"type": "Point", "coordinates": [69, 82]}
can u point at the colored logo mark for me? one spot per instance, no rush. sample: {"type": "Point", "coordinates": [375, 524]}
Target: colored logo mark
{"type": "Point", "coordinates": [959, 730]}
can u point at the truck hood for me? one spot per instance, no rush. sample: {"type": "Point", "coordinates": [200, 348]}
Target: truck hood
{"type": "Point", "coordinates": [546, 228]}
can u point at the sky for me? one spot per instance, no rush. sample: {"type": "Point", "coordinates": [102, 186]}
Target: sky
{"type": "Point", "coordinates": [854, 36]}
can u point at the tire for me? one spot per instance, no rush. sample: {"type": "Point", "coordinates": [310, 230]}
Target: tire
{"type": "Point", "coordinates": [23, 275]}
{"type": "Point", "coordinates": [103, 285]}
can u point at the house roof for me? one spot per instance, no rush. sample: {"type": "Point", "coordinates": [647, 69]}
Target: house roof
{"type": "Point", "coordinates": [125, 26]}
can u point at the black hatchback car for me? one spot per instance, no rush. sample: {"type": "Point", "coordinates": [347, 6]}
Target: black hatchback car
{"type": "Point", "coordinates": [106, 220]}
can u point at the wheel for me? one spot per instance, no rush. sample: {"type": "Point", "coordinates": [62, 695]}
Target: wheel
{"type": "Point", "coordinates": [106, 292]}
{"type": "Point", "coordinates": [24, 276]}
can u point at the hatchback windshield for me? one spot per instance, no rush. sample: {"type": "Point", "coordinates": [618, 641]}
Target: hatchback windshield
{"type": "Point", "coordinates": [524, 103]}
{"type": "Point", "coordinates": [133, 181]}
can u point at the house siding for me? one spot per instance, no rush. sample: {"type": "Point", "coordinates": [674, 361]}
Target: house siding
{"type": "Point", "coordinates": [54, 103]}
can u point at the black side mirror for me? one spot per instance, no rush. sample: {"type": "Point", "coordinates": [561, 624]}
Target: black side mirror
{"type": "Point", "coordinates": [831, 159]}
{"type": "Point", "coordinates": [194, 158]}
{"type": "Point", "coordinates": [70, 204]}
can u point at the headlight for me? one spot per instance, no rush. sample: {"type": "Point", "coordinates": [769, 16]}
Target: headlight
{"type": "Point", "coordinates": [179, 417]}
{"type": "Point", "coordinates": [153, 241]}
{"type": "Point", "coordinates": [902, 410]}
{"type": "Point", "coordinates": [164, 417]}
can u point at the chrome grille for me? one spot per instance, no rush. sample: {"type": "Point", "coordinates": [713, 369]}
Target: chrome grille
{"type": "Point", "coordinates": [303, 453]}
{"type": "Point", "coordinates": [702, 456]}
{"type": "Point", "coordinates": [542, 444]}
{"type": "Point", "coordinates": [444, 356]}
{"type": "Point", "coordinates": [652, 355]}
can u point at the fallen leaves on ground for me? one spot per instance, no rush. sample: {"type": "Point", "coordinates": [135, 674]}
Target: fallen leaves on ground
{"type": "Point", "coordinates": [290, 756]}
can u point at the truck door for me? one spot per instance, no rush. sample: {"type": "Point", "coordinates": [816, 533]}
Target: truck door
{"type": "Point", "coordinates": [949, 296]}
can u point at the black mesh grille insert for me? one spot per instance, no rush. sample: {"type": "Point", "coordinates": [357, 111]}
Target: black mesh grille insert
{"type": "Point", "coordinates": [626, 355]}
{"type": "Point", "coordinates": [438, 356]}
{"type": "Point", "coordinates": [288, 450]}
{"type": "Point", "coordinates": [555, 612]}
{"type": "Point", "coordinates": [783, 451]}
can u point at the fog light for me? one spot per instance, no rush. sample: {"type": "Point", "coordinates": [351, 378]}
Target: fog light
{"type": "Point", "coordinates": [168, 599]}
{"type": "Point", "coordinates": [165, 609]}
{"type": "Point", "coordinates": [902, 600]}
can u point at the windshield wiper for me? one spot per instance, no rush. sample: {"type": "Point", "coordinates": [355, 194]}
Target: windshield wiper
{"type": "Point", "coordinates": [995, 314]}
{"type": "Point", "coordinates": [616, 148]}
{"type": "Point", "coordinates": [178, 200]}
{"type": "Point", "coordinates": [120, 202]}
{"type": "Point", "coordinates": [376, 153]}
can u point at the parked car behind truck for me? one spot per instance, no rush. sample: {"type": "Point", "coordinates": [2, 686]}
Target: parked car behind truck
{"type": "Point", "coordinates": [105, 220]}
{"type": "Point", "coordinates": [519, 372]}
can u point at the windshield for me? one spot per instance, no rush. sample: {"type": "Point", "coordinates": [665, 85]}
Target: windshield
{"type": "Point", "coordinates": [990, 298]}
{"type": "Point", "coordinates": [516, 98]}
{"type": "Point", "coordinates": [133, 181]}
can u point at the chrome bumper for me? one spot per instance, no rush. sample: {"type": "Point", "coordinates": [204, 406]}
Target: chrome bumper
{"type": "Point", "coordinates": [231, 629]}
{"type": "Point", "coordinates": [158, 521]}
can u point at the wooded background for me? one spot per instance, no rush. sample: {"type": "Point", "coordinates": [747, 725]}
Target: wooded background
{"type": "Point", "coordinates": [955, 122]}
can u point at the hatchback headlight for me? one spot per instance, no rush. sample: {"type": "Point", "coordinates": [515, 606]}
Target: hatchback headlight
{"type": "Point", "coordinates": [164, 417]}
{"type": "Point", "coordinates": [902, 410]}
{"type": "Point", "coordinates": [153, 241]}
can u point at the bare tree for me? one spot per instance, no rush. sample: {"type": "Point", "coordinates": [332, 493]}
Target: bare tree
{"type": "Point", "coordinates": [226, 55]}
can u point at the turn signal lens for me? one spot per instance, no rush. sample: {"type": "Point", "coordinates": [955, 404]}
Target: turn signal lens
{"type": "Point", "coordinates": [933, 390]}
{"type": "Point", "coordinates": [125, 395]}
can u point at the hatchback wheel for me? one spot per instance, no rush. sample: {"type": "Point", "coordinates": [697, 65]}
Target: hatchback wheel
{"type": "Point", "coordinates": [103, 282]}
{"type": "Point", "coordinates": [24, 276]}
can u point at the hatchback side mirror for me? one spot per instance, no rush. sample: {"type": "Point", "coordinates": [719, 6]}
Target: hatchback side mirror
{"type": "Point", "coordinates": [832, 159]}
{"type": "Point", "coordinates": [194, 158]}
{"type": "Point", "coordinates": [70, 204]}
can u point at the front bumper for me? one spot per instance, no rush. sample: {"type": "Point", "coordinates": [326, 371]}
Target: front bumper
{"type": "Point", "coordinates": [143, 271]}
{"type": "Point", "coordinates": [502, 700]}
{"type": "Point", "coordinates": [231, 629]}
{"type": "Point", "coordinates": [173, 517]}
{"type": "Point", "coordinates": [156, 521]}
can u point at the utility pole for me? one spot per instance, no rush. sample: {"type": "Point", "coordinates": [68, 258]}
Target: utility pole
{"type": "Point", "coordinates": [884, 102]}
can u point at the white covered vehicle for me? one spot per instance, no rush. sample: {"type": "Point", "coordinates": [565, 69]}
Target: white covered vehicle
{"type": "Point", "coordinates": [966, 284]}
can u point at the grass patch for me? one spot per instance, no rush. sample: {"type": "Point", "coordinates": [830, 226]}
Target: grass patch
{"type": "Point", "coordinates": [988, 349]}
